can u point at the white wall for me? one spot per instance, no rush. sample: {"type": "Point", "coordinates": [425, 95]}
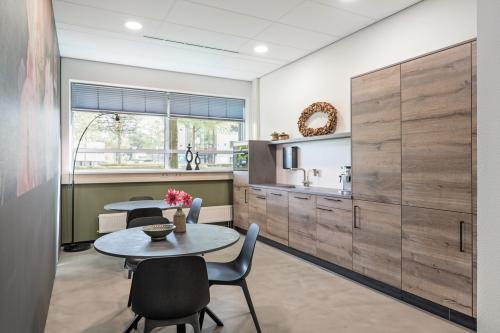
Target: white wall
{"type": "Point", "coordinates": [325, 75]}
{"type": "Point", "coordinates": [488, 117]}
{"type": "Point", "coordinates": [75, 69]}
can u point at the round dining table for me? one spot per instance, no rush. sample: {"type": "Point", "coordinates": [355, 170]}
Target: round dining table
{"type": "Point", "coordinates": [198, 239]}
{"type": "Point", "coordinates": [126, 206]}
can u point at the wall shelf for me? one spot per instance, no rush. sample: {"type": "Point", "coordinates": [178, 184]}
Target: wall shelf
{"type": "Point", "coordinates": [334, 136]}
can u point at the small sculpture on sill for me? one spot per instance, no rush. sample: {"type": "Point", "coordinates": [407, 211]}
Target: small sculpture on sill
{"type": "Point", "coordinates": [197, 161]}
{"type": "Point", "coordinates": [189, 157]}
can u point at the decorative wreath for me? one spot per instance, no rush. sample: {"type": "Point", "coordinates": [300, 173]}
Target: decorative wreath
{"type": "Point", "coordinates": [312, 109]}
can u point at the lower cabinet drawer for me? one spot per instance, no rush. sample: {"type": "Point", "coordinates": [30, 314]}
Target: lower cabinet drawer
{"type": "Point", "coordinates": [302, 222]}
{"type": "Point", "coordinates": [334, 202]}
{"type": "Point", "coordinates": [277, 216]}
{"type": "Point", "coordinates": [334, 235]}
{"type": "Point", "coordinates": [257, 212]}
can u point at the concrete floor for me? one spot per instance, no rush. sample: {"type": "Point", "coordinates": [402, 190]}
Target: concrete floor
{"type": "Point", "coordinates": [290, 295]}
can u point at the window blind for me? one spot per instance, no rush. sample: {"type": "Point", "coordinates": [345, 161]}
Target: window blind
{"type": "Point", "coordinates": [93, 97]}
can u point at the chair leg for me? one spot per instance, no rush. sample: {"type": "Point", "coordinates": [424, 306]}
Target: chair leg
{"type": "Point", "coordinates": [129, 303]}
{"type": "Point", "coordinates": [129, 274]}
{"type": "Point", "coordinates": [202, 316]}
{"type": "Point", "coordinates": [148, 325]}
{"type": "Point", "coordinates": [214, 317]}
{"type": "Point", "coordinates": [194, 321]}
{"type": "Point", "coordinates": [133, 324]}
{"type": "Point", "coordinates": [244, 286]}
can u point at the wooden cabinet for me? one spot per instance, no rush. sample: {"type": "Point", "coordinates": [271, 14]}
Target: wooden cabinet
{"type": "Point", "coordinates": [257, 212]}
{"type": "Point", "coordinates": [302, 222]}
{"type": "Point", "coordinates": [436, 130]}
{"type": "Point", "coordinates": [334, 202]}
{"type": "Point", "coordinates": [277, 216]}
{"type": "Point", "coordinates": [474, 179]}
{"type": "Point", "coordinates": [334, 235]}
{"type": "Point", "coordinates": [240, 207]}
{"type": "Point", "coordinates": [437, 256]}
{"type": "Point", "coordinates": [376, 136]}
{"type": "Point", "coordinates": [377, 241]}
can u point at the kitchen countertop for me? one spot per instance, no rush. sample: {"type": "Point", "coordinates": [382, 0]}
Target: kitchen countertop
{"type": "Point", "coordinates": [315, 190]}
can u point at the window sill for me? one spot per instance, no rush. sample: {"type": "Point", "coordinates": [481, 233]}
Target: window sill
{"type": "Point", "coordinates": [141, 176]}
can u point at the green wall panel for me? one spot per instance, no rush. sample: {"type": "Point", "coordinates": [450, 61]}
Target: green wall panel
{"type": "Point", "coordinates": [91, 198]}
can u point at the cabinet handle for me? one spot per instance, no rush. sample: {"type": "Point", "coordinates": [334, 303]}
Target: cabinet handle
{"type": "Point", "coordinates": [462, 223]}
{"type": "Point", "coordinates": [331, 199]}
{"type": "Point", "coordinates": [325, 209]}
{"type": "Point", "coordinates": [246, 200]}
{"type": "Point", "coordinates": [356, 226]}
{"type": "Point", "coordinates": [276, 194]}
{"type": "Point", "coordinates": [256, 189]}
{"type": "Point", "coordinates": [301, 198]}
{"type": "Point", "coordinates": [260, 197]}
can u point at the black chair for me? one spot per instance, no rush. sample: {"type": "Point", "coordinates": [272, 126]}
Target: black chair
{"type": "Point", "coordinates": [131, 263]}
{"type": "Point", "coordinates": [194, 211]}
{"type": "Point", "coordinates": [139, 198]}
{"type": "Point", "coordinates": [169, 291]}
{"type": "Point", "coordinates": [143, 212]}
{"type": "Point", "coordinates": [234, 273]}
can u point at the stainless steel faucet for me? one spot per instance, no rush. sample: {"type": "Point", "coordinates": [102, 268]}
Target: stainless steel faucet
{"type": "Point", "coordinates": [306, 182]}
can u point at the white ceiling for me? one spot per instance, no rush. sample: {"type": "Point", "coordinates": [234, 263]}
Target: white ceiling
{"type": "Point", "coordinates": [94, 30]}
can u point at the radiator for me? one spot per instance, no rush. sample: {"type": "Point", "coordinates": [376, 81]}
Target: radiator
{"type": "Point", "coordinates": [117, 221]}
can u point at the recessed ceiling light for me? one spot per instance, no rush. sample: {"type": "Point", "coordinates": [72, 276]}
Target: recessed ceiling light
{"type": "Point", "coordinates": [133, 25]}
{"type": "Point", "coordinates": [260, 49]}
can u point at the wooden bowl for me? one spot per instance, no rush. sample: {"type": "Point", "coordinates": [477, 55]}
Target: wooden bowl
{"type": "Point", "coordinates": [158, 232]}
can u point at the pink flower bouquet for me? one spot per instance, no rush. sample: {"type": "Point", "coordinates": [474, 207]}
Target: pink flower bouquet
{"type": "Point", "coordinates": [178, 198]}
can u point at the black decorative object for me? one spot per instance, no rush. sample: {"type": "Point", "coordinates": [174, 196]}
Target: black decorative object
{"type": "Point", "coordinates": [77, 247]}
{"type": "Point", "coordinates": [197, 161]}
{"type": "Point", "coordinates": [189, 157]}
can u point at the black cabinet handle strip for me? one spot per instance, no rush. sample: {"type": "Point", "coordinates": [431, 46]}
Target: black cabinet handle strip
{"type": "Point", "coordinates": [302, 198]}
{"type": "Point", "coordinates": [332, 199]}
{"type": "Point", "coordinates": [256, 189]}
{"type": "Point", "coordinates": [277, 194]}
{"type": "Point", "coordinates": [260, 197]}
{"type": "Point", "coordinates": [325, 209]}
{"type": "Point", "coordinates": [246, 200]}
{"type": "Point", "coordinates": [462, 223]}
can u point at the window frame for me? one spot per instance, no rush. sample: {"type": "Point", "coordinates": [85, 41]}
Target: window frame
{"type": "Point", "coordinates": [166, 119]}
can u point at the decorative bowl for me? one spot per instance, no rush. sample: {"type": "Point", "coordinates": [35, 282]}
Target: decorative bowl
{"type": "Point", "coordinates": [158, 232]}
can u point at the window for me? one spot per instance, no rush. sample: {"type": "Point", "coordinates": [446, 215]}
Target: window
{"type": "Point", "coordinates": [154, 129]}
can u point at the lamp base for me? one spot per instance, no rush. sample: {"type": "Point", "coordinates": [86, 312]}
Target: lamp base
{"type": "Point", "coordinates": [76, 247]}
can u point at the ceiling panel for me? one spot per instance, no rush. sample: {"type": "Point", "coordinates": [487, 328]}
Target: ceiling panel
{"type": "Point", "coordinates": [155, 9]}
{"type": "Point", "coordinates": [375, 9]}
{"type": "Point", "coordinates": [271, 10]}
{"type": "Point", "coordinates": [197, 36]}
{"type": "Point", "coordinates": [326, 19]}
{"type": "Point", "coordinates": [101, 19]}
{"type": "Point", "coordinates": [214, 19]}
{"type": "Point", "coordinates": [295, 37]}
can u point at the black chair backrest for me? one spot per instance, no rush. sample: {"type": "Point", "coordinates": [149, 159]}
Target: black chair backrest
{"type": "Point", "coordinates": [144, 221]}
{"type": "Point", "coordinates": [244, 260]}
{"type": "Point", "coordinates": [167, 288]}
{"type": "Point", "coordinates": [194, 211]}
{"type": "Point", "coordinates": [139, 198]}
{"type": "Point", "coordinates": [143, 212]}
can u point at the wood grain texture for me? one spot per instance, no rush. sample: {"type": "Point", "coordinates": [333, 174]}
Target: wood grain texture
{"type": "Point", "coordinates": [376, 136]}
{"type": "Point", "coordinates": [302, 222]}
{"type": "Point", "coordinates": [240, 206]}
{"type": "Point", "coordinates": [333, 202]}
{"type": "Point", "coordinates": [474, 127]}
{"type": "Point", "coordinates": [436, 130]}
{"type": "Point", "coordinates": [434, 267]}
{"type": "Point", "coordinates": [277, 216]}
{"type": "Point", "coordinates": [334, 235]}
{"type": "Point", "coordinates": [257, 211]}
{"type": "Point", "coordinates": [377, 241]}
{"type": "Point", "coordinates": [474, 266]}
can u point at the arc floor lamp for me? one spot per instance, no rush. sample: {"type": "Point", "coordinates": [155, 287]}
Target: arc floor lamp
{"type": "Point", "coordinates": [77, 247]}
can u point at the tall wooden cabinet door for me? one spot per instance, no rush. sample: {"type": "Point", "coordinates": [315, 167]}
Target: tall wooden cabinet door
{"type": "Point", "coordinates": [474, 178]}
{"type": "Point", "coordinates": [436, 130]}
{"type": "Point", "coordinates": [302, 222]}
{"type": "Point", "coordinates": [376, 241]}
{"type": "Point", "coordinates": [277, 216]}
{"type": "Point", "coordinates": [376, 136]}
{"type": "Point", "coordinates": [437, 256]}
{"type": "Point", "coordinates": [334, 235]}
{"type": "Point", "coordinates": [240, 207]}
{"type": "Point", "coordinates": [257, 211]}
